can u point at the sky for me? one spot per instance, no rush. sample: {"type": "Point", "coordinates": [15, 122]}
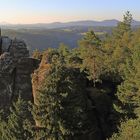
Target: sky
{"type": "Point", "coordinates": [47, 11]}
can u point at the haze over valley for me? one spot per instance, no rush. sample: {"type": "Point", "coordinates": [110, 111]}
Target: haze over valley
{"type": "Point", "coordinates": [42, 36]}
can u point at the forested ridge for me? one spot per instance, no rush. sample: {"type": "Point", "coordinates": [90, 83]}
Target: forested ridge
{"type": "Point", "coordinates": [91, 92]}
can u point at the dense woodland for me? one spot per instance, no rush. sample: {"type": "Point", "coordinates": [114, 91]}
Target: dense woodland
{"type": "Point", "coordinates": [102, 76]}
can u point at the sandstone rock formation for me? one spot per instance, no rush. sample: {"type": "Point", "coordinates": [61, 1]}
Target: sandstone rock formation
{"type": "Point", "coordinates": [15, 70]}
{"type": "Point", "coordinates": [39, 75]}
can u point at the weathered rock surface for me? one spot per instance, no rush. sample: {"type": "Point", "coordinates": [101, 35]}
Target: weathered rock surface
{"type": "Point", "coordinates": [39, 75]}
{"type": "Point", "coordinates": [15, 71]}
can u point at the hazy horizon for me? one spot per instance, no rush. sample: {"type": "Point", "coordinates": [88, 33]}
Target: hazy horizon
{"type": "Point", "coordinates": [48, 11]}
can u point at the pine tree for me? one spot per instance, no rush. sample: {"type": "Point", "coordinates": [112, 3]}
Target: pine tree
{"type": "Point", "coordinates": [124, 26]}
{"type": "Point", "coordinates": [60, 108]}
{"type": "Point", "coordinates": [15, 128]}
{"type": "Point", "coordinates": [117, 47]}
{"type": "Point", "coordinates": [91, 54]}
{"type": "Point", "coordinates": [128, 91]}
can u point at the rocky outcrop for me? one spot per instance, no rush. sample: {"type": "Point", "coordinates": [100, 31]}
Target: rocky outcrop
{"type": "Point", "coordinates": [39, 75]}
{"type": "Point", "coordinates": [16, 68]}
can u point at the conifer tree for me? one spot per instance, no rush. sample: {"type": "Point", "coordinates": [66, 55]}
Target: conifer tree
{"type": "Point", "coordinates": [128, 91]}
{"type": "Point", "coordinates": [124, 26]}
{"type": "Point", "coordinates": [15, 128]}
{"type": "Point", "coordinates": [117, 47]}
{"type": "Point", "coordinates": [91, 54]}
{"type": "Point", "coordinates": [60, 109]}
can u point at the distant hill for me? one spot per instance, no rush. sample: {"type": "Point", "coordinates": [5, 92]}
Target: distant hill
{"type": "Point", "coordinates": [42, 36]}
{"type": "Point", "coordinates": [80, 23]}
{"type": "Point", "coordinates": [105, 23]}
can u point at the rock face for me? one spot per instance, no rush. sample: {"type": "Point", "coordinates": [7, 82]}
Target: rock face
{"type": "Point", "coordinates": [15, 70]}
{"type": "Point", "coordinates": [39, 75]}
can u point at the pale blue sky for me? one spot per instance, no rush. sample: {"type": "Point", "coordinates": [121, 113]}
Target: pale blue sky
{"type": "Point", "coordinates": [44, 11]}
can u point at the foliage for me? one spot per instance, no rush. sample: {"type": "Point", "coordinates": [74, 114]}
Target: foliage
{"type": "Point", "coordinates": [61, 103]}
{"type": "Point", "coordinates": [37, 54]}
{"type": "Point", "coordinates": [128, 91]}
{"type": "Point", "coordinates": [91, 54]}
{"type": "Point", "coordinates": [16, 126]}
{"type": "Point", "coordinates": [129, 130]}
{"type": "Point", "coordinates": [117, 48]}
